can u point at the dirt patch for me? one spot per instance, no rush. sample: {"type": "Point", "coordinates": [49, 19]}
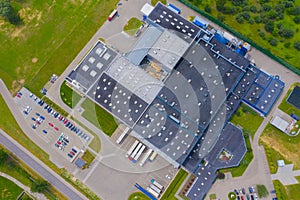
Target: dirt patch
{"type": "Point", "coordinates": [16, 86]}
{"type": "Point", "coordinates": [17, 32]}
{"type": "Point", "coordinates": [34, 60]}
{"type": "Point", "coordinates": [28, 14]}
{"type": "Point", "coordinates": [283, 150]}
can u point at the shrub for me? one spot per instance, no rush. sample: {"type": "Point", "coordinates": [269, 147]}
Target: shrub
{"type": "Point", "coordinates": [297, 19]}
{"type": "Point", "coordinates": [207, 8]}
{"type": "Point", "coordinates": [287, 45]}
{"type": "Point", "coordinates": [273, 42]}
{"type": "Point", "coordinates": [269, 26]}
{"type": "Point", "coordinates": [297, 45]}
{"type": "Point", "coordinates": [286, 33]}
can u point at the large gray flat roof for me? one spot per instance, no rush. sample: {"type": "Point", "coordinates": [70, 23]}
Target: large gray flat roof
{"type": "Point", "coordinates": [135, 79]}
{"type": "Point", "coordinates": [92, 66]}
{"type": "Point", "coordinates": [144, 43]}
{"type": "Point", "coordinates": [168, 49]}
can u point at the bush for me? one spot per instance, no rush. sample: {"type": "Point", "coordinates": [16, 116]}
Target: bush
{"type": "Point", "coordinates": [207, 8]}
{"type": "Point", "coordinates": [286, 33]}
{"type": "Point", "coordinates": [287, 45]}
{"type": "Point", "coordinates": [273, 42]}
{"type": "Point", "coordinates": [269, 26]}
{"type": "Point", "coordinates": [39, 186]}
{"type": "Point", "coordinates": [297, 45]}
{"type": "Point", "coordinates": [297, 19]}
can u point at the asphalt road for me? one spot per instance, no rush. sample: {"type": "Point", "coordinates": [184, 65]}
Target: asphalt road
{"type": "Point", "coordinates": [28, 158]}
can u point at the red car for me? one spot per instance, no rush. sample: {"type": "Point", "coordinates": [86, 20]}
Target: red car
{"type": "Point", "coordinates": [18, 95]}
{"type": "Point", "coordinates": [72, 153]}
{"type": "Point", "coordinates": [66, 121]}
{"type": "Point", "coordinates": [58, 142]}
{"type": "Point", "coordinates": [56, 128]}
{"type": "Point", "coordinates": [60, 118]}
{"type": "Point", "coordinates": [50, 124]}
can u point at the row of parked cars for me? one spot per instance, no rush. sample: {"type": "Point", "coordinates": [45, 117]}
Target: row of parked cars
{"type": "Point", "coordinates": [62, 141]}
{"type": "Point", "coordinates": [72, 153]}
{"type": "Point", "coordinates": [241, 194]}
{"type": "Point", "coordinates": [76, 130]}
{"type": "Point", "coordinates": [67, 123]}
{"type": "Point", "coordinates": [38, 120]}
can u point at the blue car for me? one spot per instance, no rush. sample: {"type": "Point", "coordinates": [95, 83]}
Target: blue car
{"type": "Point", "coordinates": [37, 114]}
{"type": "Point", "coordinates": [68, 123]}
{"type": "Point", "coordinates": [42, 117]}
{"type": "Point", "coordinates": [33, 119]}
{"type": "Point", "coordinates": [74, 150]}
{"type": "Point", "coordinates": [44, 131]}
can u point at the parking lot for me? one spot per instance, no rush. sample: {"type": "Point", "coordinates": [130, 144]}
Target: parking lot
{"type": "Point", "coordinates": [61, 134]}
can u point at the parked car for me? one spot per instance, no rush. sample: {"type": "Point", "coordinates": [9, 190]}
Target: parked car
{"type": "Point", "coordinates": [74, 150]}
{"type": "Point", "coordinates": [70, 155]}
{"type": "Point", "coordinates": [33, 119]}
{"type": "Point", "coordinates": [44, 131]}
{"type": "Point", "coordinates": [50, 124]}
{"type": "Point", "coordinates": [56, 128]}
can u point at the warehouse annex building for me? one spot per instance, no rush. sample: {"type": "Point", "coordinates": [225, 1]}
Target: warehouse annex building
{"type": "Point", "coordinates": [177, 89]}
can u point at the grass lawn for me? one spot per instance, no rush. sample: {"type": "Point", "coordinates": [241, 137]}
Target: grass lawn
{"type": "Point", "coordinates": [280, 146]}
{"type": "Point", "coordinates": [212, 196]}
{"type": "Point", "coordinates": [169, 194]}
{"type": "Point", "coordinates": [243, 116]}
{"type": "Point", "coordinates": [25, 196]}
{"type": "Point", "coordinates": [52, 35]}
{"type": "Point", "coordinates": [153, 2]}
{"type": "Point", "coordinates": [138, 196]}
{"type": "Point", "coordinates": [238, 171]}
{"type": "Point", "coordinates": [287, 107]}
{"type": "Point", "coordinates": [88, 157]}
{"type": "Point", "coordinates": [95, 143]}
{"type": "Point", "coordinates": [19, 170]}
{"type": "Point", "coordinates": [290, 192]}
{"type": "Point", "coordinates": [69, 96]}
{"type": "Point", "coordinates": [8, 189]}
{"type": "Point", "coordinates": [132, 26]}
{"type": "Point", "coordinates": [99, 117]}
{"type": "Point", "coordinates": [56, 107]}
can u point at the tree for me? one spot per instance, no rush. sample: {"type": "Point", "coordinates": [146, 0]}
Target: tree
{"type": "Point", "coordinates": [273, 42]}
{"type": "Point", "coordinates": [286, 33]}
{"type": "Point", "coordinates": [207, 8]}
{"type": "Point", "coordinates": [297, 45]}
{"type": "Point", "coordinates": [3, 156]}
{"type": "Point", "coordinates": [220, 175]}
{"type": "Point", "coordinates": [5, 8]}
{"type": "Point", "coordinates": [269, 26]}
{"type": "Point", "coordinates": [297, 19]}
{"type": "Point", "coordinates": [39, 186]}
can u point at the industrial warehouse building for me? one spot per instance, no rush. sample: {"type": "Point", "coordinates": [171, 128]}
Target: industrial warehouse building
{"type": "Point", "coordinates": [177, 89]}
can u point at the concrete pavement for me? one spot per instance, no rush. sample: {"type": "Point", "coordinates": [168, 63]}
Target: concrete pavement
{"type": "Point", "coordinates": [26, 156]}
{"type": "Point", "coordinates": [286, 175]}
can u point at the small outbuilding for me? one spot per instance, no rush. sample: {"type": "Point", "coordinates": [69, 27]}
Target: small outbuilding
{"type": "Point", "coordinates": [80, 163]}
